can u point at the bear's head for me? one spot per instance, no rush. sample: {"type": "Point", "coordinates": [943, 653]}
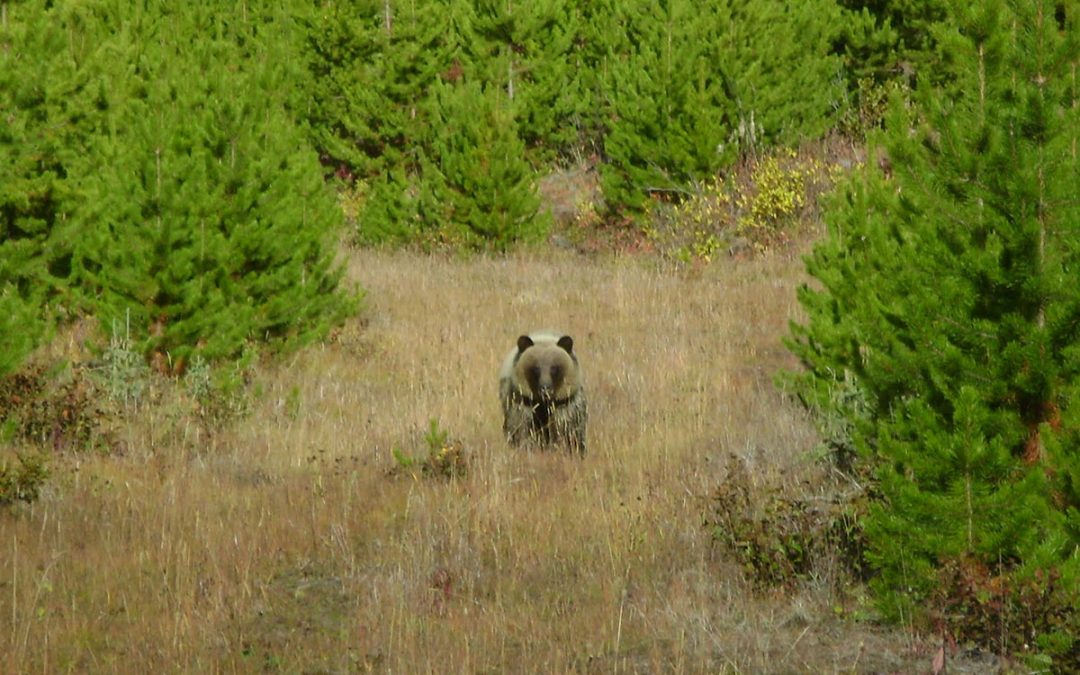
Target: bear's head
{"type": "Point", "coordinates": [547, 368]}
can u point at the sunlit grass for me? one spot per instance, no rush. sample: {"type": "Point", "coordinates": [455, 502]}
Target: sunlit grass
{"type": "Point", "coordinates": [286, 542]}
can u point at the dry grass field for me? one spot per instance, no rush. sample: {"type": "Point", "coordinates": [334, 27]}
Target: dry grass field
{"type": "Point", "coordinates": [287, 542]}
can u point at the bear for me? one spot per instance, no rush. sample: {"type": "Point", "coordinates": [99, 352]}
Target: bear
{"type": "Point", "coordinates": [542, 392]}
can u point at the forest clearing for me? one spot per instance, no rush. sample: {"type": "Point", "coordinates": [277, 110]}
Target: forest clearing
{"type": "Point", "coordinates": [293, 542]}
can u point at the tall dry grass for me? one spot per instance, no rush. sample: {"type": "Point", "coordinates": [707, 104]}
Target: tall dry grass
{"type": "Point", "coordinates": [285, 544]}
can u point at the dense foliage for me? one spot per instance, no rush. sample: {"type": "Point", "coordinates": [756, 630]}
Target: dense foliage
{"type": "Point", "coordinates": [152, 173]}
{"type": "Point", "coordinates": [668, 93]}
{"type": "Point", "coordinates": [948, 305]}
{"type": "Point", "coordinates": [696, 86]}
{"type": "Point", "coordinates": [409, 101]}
{"type": "Point", "coordinates": [883, 39]}
{"type": "Point", "coordinates": [45, 119]}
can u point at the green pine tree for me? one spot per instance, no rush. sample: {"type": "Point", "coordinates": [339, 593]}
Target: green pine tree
{"type": "Point", "coordinates": [48, 107]}
{"type": "Point", "coordinates": [883, 39]}
{"type": "Point", "coordinates": [602, 44]}
{"type": "Point", "coordinates": [202, 212]}
{"type": "Point", "coordinates": [372, 64]}
{"type": "Point", "coordinates": [477, 186]}
{"type": "Point", "coordinates": [949, 304]}
{"type": "Point", "coordinates": [787, 81]}
{"type": "Point", "coordinates": [391, 209]}
{"type": "Point", "coordinates": [528, 50]}
{"type": "Point", "coordinates": [671, 101]}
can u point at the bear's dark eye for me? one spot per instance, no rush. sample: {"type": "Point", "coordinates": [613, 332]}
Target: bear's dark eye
{"type": "Point", "coordinates": [556, 373]}
{"type": "Point", "coordinates": [534, 373]}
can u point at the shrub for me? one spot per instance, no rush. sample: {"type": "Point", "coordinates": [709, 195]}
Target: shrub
{"type": "Point", "coordinates": [779, 539]}
{"type": "Point", "coordinates": [1033, 615]}
{"type": "Point", "coordinates": [124, 373]}
{"type": "Point", "coordinates": [778, 195]}
{"type": "Point", "coordinates": [23, 483]}
{"type": "Point", "coordinates": [220, 392]}
{"type": "Point", "coordinates": [756, 205]}
{"type": "Point", "coordinates": [56, 410]}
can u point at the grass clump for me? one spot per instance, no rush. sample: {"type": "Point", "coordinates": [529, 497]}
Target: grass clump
{"type": "Point", "coordinates": [444, 458]}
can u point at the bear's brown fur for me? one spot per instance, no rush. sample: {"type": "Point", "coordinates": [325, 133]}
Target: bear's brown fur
{"type": "Point", "coordinates": [542, 392]}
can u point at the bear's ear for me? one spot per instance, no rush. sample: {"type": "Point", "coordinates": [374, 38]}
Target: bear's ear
{"type": "Point", "coordinates": [524, 342]}
{"type": "Point", "coordinates": [567, 343]}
